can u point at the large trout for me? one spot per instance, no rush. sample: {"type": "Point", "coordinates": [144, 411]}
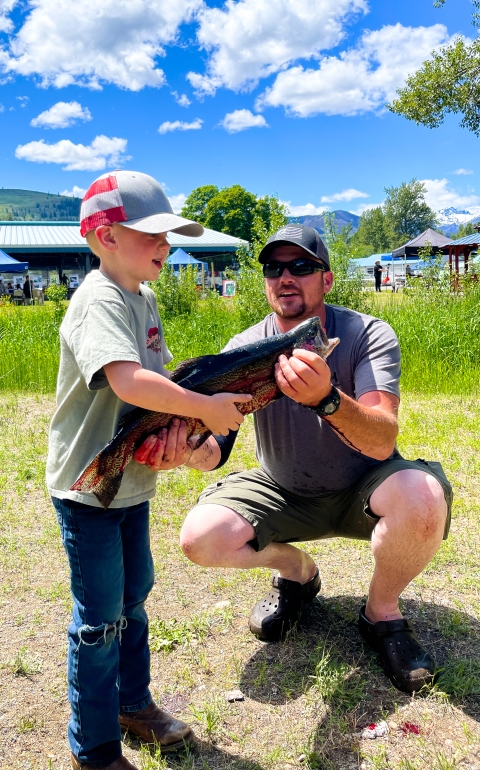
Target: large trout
{"type": "Point", "coordinates": [249, 369]}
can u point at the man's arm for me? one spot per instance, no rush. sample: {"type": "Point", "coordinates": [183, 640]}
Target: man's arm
{"type": "Point", "coordinates": [368, 425]}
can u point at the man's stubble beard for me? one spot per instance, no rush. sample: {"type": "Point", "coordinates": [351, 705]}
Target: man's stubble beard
{"type": "Point", "coordinates": [297, 312]}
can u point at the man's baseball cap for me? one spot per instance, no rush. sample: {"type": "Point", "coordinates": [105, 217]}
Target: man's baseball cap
{"type": "Point", "coordinates": [306, 237]}
{"type": "Point", "coordinates": [133, 200]}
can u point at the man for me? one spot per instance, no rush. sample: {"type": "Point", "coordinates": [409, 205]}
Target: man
{"type": "Point", "coordinates": [328, 470]}
{"type": "Point", "coordinates": [377, 273]}
{"type": "Point", "coordinates": [27, 290]}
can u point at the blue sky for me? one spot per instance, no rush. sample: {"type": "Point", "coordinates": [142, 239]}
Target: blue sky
{"type": "Point", "coordinates": [280, 96]}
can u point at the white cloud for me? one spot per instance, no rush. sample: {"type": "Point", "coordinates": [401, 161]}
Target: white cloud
{"type": "Point", "coordinates": [181, 99]}
{"type": "Point", "coordinates": [307, 209]}
{"type": "Point", "coordinates": [62, 115]}
{"type": "Point", "coordinates": [358, 80]}
{"type": "Point", "coordinates": [179, 125]}
{"type": "Point", "coordinates": [65, 42]}
{"type": "Point", "coordinates": [23, 100]}
{"type": "Point", "coordinates": [363, 207]}
{"type": "Point", "coordinates": [96, 156]}
{"type": "Point", "coordinates": [251, 39]}
{"type": "Point", "coordinates": [345, 195]}
{"type": "Point", "coordinates": [2, 108]}
{"type": "Point", "coordinates": [440, 195]}
{"type": "Point", "coordinates": [239, 120]}
{"type": "Point", "coordinates": [177, 202]}
{"type": "Point", "coordinates": [75, 192]}
{"type": "Point", "coordinates": [463, 171]}
{"type": "Point", "coordinates": [6, 6]}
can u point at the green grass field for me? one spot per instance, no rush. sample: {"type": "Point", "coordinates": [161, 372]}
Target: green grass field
{"type": "Point", "coordinates": [439, 337]}
{"type": "Point", "coordinates": [307, 700]}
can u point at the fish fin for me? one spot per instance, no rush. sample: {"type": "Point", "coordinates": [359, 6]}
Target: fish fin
{"type": "Point", "coordinates": [332, 344]}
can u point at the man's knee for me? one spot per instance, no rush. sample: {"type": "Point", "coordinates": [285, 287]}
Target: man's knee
{"type": "Point", "coordinates": [210, 532]}
{"type": "Point", "coordinates": [414, 497]}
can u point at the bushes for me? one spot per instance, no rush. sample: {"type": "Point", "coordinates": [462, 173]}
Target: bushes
{"type": "Point", "coordinates": [439, 332]}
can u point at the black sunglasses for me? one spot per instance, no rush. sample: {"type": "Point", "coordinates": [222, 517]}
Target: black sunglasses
{"type": "Point", "coordinates": [274, 269]}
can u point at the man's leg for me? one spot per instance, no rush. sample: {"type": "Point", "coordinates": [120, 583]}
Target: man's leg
{"type": "Point", "coordinates": [412, 511]}
{"type": "Point", "coordinates": [215, 536]}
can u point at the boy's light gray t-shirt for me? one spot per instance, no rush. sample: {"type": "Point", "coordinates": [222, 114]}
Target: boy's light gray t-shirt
{"type": "Point", "coordinates": [103, 323]}
{"type": "Point", "coordinates": [297, 449]}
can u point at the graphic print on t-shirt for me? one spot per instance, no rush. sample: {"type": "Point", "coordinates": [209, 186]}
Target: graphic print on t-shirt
{"type": "Point", "coordinates": [153, 341]}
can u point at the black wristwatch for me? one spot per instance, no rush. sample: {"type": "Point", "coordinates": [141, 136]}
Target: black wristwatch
{"type": "Point", "coordinates": [328, 405]}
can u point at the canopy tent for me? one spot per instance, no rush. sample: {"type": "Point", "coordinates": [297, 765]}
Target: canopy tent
{"type": "Point", "coordinates": [461, 248]}
{"type": "Point", "coordinates": [180, 257]}
{"type": "Point", "coordinates": [10, 265]}
{"type": "Point", "coordinates": [429, 237]}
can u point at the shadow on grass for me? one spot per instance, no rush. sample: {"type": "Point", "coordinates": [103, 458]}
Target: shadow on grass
{"type": "Point", "coordinates": [326, 652]}
{"type": "Point", "coordinates": [203, 756]}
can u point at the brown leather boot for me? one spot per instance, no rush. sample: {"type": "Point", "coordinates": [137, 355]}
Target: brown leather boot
{"type": "Point", "coordinates": [121, 763]}
{"type": "Point", "coordinates": [154, 725]}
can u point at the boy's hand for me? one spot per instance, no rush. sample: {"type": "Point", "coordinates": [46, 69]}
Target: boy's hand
{"type": "Point", "coordinates": [220, 413]}
{"type": "Point", "coordinates": [167, 450]}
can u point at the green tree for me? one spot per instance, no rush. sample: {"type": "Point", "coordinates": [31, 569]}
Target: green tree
{"type": "Point", "coordinates": [251, 302]}
{"type": "Point", "coordinates": [447, 82]}
{"type": "Point", "coordinates": [232, 211]}
{"type": "Point", "coordinates": [347, 287]}
{"type": "Point", "coordinates": [196, 203]}
{"type": "Point", "coordinates": [407, 212]}
{"type": "Point", "coordinates": [374, 234]}
{"type": "Point", "coordinates": [463, 230]}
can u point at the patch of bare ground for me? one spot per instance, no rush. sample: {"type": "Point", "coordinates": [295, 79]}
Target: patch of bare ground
{"type": "Point", "coordinates": [308, 700]}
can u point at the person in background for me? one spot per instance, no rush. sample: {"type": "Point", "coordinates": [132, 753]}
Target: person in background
{"type": "Point", "coordinates": [10, 289]}
{"type": "Point", "coordinates": [27, 290]}
{"type": "Point", "coordinates": [377, 272]}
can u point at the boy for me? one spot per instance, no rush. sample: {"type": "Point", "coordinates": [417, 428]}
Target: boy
{"type": "Point", "coordinates": [112, 358]}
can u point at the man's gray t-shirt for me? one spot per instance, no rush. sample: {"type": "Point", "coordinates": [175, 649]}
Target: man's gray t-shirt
{"type": "Point", "coordinates": [297, 449]}
{"type": "Point", "coordinates": [103, 323]}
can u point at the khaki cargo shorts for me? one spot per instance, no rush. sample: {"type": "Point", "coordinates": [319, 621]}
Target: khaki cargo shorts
{"type": "Point", "coordinates": [283, 517]}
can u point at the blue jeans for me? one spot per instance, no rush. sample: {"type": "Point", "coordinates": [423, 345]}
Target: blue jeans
{"type": "Point", "coordinates": [112, 574]}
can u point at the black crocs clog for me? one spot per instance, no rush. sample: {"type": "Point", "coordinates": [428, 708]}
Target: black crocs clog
{"type": "Point", "coordinates": [408, 666]}
{"type": "Point", "coordinates": [280, 609]}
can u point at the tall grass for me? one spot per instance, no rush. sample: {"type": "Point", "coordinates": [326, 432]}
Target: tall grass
{"type": "Point", "coordinates": [439, 336]}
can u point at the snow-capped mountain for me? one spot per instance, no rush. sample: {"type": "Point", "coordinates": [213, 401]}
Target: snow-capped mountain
{"type": "Point", "coordinates": [451, 218]}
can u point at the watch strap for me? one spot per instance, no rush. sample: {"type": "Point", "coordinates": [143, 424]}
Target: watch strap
{"type": "Point", "coordinates": [328, 405]}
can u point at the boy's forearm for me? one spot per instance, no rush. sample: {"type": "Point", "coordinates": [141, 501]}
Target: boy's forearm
{"type": "Point", "coordinates": [149, 390]}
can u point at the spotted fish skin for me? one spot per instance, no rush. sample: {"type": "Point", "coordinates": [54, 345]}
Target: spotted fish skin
{"type": "Point", "coordinates": [249, 369]}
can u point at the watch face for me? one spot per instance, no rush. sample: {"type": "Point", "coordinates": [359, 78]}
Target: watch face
{"type": "Point", "coordinates": [330, 408]}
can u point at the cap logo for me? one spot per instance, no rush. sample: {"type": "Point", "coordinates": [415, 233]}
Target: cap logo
{"type": "Point", "coordinates": [290, 232]}
{"type": "Point", "coordinates": [101, 205]}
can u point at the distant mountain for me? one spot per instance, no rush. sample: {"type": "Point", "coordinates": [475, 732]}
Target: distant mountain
{"type": "Point", "coordinates": [451, 218]}
{"type": "Point", "coordinates": [343, 219]}
{"type": "Point", "coordinates": [27, 204]}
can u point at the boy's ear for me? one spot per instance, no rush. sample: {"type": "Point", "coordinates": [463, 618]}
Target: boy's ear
{"type": "Point", "coordinates": [106, 237]}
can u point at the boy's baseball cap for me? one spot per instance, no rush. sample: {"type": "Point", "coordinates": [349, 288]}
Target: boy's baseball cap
{"type": "Point", "coordinates": [306, 237]}
{"type": "Point", "coordinates": [133, 200]}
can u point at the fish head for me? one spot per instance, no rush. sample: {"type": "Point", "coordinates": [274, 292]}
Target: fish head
{"type": "Point", "coordinates": [312, 336]}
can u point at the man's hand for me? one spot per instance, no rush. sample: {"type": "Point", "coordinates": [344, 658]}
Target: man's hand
{"type": "Point", "coordinates": [305, 377]}
{"type": "Point", "coordinates": [167, 450]}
